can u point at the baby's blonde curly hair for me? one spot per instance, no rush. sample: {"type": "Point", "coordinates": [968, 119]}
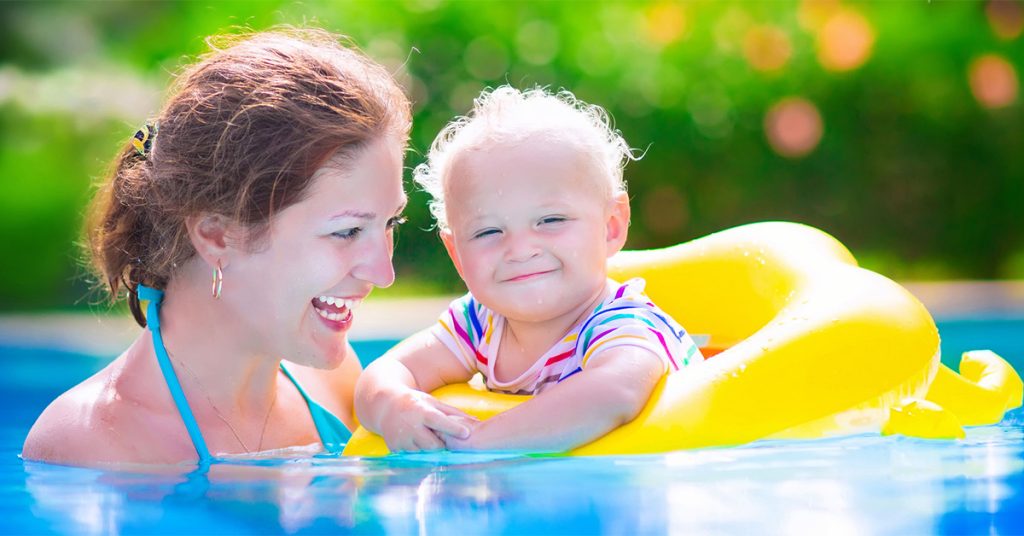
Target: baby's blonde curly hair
{"type": "Point", "coordinates": [508, 115]}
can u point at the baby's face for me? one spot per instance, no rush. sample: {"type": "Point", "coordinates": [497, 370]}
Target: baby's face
{"type": "Point", "coordinates": [531, 226]}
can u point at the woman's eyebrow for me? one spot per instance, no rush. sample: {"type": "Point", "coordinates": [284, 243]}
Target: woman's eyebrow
{"type": "Point", "coordinates": [358, 214]}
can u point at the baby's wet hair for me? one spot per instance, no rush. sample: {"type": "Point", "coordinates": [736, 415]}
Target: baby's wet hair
{"type": "Point", "coordinates": [507, 115]}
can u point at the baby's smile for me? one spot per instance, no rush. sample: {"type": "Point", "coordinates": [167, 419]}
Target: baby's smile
{"type": "Point", "coordinates": [528, 276]}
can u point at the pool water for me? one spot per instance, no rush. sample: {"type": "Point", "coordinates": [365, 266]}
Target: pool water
{"type": "Point", "coordinates": [854, 485]}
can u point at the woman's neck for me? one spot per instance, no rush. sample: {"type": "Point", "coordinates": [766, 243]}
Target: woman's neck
{"type": "Point", "coordinates": [215, 356]}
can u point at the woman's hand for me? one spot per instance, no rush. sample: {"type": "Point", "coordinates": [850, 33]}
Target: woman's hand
{"type": "Point", "coordinates": [416, 421]}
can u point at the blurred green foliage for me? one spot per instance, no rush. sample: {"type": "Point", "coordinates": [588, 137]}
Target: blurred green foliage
{"type": "Point", "coordinates": [912, 171]}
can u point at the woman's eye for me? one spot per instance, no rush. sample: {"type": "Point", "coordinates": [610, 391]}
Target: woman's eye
{"type": "Point", "coordinates": [347, 234]}
{"type": "Point", "coordinates": [396, 221]}
{"type": "Point", "coordinates": [485, 233]}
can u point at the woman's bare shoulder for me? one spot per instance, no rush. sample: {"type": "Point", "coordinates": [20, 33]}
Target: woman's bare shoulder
{"type": "Point", "coordinates": [74, 428]}
{"type": "Point", "coordinates": [92, 423]}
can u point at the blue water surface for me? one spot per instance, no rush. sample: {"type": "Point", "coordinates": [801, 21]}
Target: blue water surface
{"type": "Point", "coordinates": [855, 485]}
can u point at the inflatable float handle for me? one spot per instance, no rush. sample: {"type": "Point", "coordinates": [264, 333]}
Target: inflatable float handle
{"type": "Point", "coordinates": [986, 388]}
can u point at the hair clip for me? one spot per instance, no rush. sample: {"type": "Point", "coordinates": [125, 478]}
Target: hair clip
{"type": "Point", "coordinates": [143, 139]}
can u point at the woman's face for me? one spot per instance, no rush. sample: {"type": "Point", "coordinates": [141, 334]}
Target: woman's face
{"type": "Point", "coordinates": [298, 293]}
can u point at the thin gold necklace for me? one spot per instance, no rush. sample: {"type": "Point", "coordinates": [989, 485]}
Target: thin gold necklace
{"type": "Point", "coordinates": [220, 415]}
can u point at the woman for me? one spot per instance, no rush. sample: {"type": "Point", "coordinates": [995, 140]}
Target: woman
{"type": "Point", "coordinates": [253, 215]}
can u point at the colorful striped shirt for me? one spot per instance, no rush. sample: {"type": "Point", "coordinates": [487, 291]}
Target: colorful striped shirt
{"type": "Point", "coordinates": [625, 318]}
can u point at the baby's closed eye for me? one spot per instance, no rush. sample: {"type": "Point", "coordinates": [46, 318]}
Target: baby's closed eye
{"type": "Point", "coordinates": [490, 231]}
{"type": "Point", "coordinates": [553, 219]}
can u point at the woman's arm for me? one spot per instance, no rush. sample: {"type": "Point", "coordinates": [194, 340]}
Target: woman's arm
{"type": "Point", "coordinates": [608, 393]}
{"type": "Point", "coordinates": [391, 395]}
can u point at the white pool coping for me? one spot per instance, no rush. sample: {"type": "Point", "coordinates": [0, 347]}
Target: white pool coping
{"type": "Point", "coordinates": [395, 318]}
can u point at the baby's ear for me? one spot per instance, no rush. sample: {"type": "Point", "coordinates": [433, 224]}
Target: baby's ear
{"type": "Point", "coordinates": [448, 239]}
{"type": "Point", "coordinates": [617, 225]}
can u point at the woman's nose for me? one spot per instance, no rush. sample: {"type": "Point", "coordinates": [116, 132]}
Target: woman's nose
{"type": "Point", "coordinates": [376, 266]}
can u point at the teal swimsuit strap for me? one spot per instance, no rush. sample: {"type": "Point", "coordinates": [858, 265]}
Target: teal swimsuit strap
{"type": "Point", "coordinates": [155, 297]}
{"type": "Point", "coordinates": [333, 433]}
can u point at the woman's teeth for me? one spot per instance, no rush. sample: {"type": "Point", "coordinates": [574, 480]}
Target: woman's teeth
{"type": "Point", "coordinates": [335, 317]}
{"type": "Point", "coordinates": [334, 309]}
{"type": "Point", "coordinates": [338, 302]}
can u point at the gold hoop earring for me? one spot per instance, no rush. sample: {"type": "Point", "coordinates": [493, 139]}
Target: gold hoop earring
{"type": "Point", "coordinates": [218, 281]}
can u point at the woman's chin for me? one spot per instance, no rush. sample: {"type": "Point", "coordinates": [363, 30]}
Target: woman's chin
{"type": "Point", "coordinates": [325, 352]}
{"type": "Point", "coordinates": [325, 357]}
{"type": "Point", "coordinates": [334, 359]}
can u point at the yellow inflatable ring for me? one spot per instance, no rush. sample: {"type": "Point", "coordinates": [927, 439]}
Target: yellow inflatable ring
{"type": "Point", "coordinates": [808, 345]}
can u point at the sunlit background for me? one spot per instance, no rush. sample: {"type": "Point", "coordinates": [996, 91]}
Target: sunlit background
{"type": "Point", "coordinates": [895, 126]}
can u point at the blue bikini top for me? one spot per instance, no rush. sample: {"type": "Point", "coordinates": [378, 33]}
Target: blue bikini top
{"type": "Point", "coordinates": [333, 433]}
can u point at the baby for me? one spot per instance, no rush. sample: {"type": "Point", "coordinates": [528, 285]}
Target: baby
{"type": "Point", "coordinates": [530, 202]}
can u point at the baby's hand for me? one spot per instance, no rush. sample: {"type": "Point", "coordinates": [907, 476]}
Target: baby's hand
{"type": "Point", "coordinates": [416, 421]}
{"type": "Point", "coordinates": [452, 442]}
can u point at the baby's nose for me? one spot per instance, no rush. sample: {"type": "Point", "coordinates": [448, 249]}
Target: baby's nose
{"type": "Point", "coordinates": [521, 248]}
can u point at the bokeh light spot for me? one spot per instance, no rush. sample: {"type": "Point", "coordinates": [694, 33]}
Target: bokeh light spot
{"type": "Point", "coordinates": [845, 41]}
{"type": "Point", "coordinates": [993, 81]}
{"type": "Point", "coordinates": [666, 22]}
{"type": "Point", "coordinates": [793, 127]}
{"type": "Point", "coordinates": [485, 58]}
{"type": "Point", "coordinates": [767, 47]}
{"type": "Point", "coordinates": [423, 6]}
{"type": "Point", "coordinates": [730, 29]}
{"type": "Point", "coordinates": [461, 96]}
{"type": "Point", "coordinates": [537, 42]}
{"type": "Point", "coordinates": [388, 51]}
{"type": "Point", "coordinates": [418, 93]}
{"type": "Point", "coordinates": [813, 14]}
{"type": "Point", "coordinates": [1006, 18]}
{"type": "Point", "coordinates": [710, 110]}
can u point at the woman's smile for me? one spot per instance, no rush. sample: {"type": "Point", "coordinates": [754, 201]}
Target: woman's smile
{"type": "Point", "coordinates": [335, 312]}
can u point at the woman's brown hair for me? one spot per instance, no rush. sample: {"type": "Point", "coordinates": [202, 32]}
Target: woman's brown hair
{"type": "Point", "coordinates": [241, 134]}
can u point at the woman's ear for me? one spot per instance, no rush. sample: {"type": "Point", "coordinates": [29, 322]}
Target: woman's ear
{"type": "Point", "coordinates": [448, 239]}
{"type": "Point", "coordinates": [214, 237]}
{"type": "Point", "coordinates": [617, 225]}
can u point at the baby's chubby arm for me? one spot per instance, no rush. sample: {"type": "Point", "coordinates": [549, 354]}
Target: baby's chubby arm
{"type": "Point", "coordinates": [391, 396]}
{"type": "Point", "coordinates": [609, 392]}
